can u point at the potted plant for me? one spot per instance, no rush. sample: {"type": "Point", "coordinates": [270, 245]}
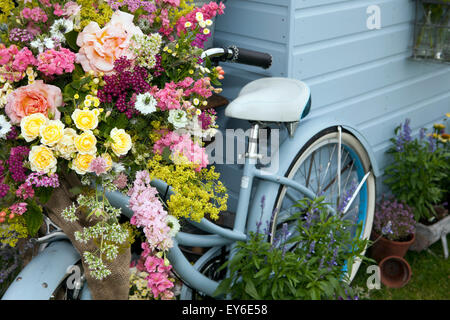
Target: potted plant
{"type": "Point", "coordinates": [393, 229]}
{"type": "Point", "coordinates": [419, 177]}
{"type": "Point", "coordinates": [304, 261]}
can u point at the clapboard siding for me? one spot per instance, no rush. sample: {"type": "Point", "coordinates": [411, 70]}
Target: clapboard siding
{"type": "Point", "coordinates": [329, 24]}
{"type": "Point", "coordinates": [365, 76]}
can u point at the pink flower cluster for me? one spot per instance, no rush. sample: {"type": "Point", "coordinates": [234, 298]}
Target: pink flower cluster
{"type": "Point", "coordinates": [158, 278]}
{"type": "Point", "coordinates": [171, 96]}
{"type": "Point", "coordinates": [18, 208]}
{"type": "Point", "coordinates": [182, 146]}
{"type": "Point", "coordinates": [36, 14]}
{"type": "Point", "coordinates": [149, 212]}
{"type": "Point", "coordinates": [52, 62]}
{"type": "Point", "coordinates": [209, 11]}
{"type": "Point", "coordinates": [14, 62]}
{"type": "Point", "coordinates": [98, 165]}
{"type": "Point", "coordinates": [41, 179]}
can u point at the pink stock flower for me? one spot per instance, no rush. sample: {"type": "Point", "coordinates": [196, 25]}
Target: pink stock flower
{"type": "Point", "coordinates": [33, 98]}
{"type": "Point", "coordinates": [52, 62]}
{"type": "Point", "coordinates": [36, 14]}
{"type": "Point", "coordinates": [149, 212]}
{"type": "Point", "coordinates": [58, 10]}
{"type": "Point", "coordinates": [19, 208]}
{"type": "Point", "coordinates": [182, 148]}
{"type": "Point", "coordinates": [23, 59]}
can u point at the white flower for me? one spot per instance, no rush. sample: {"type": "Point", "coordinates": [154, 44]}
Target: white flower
{"type": "Point", "coordinates": [202, 24]}
{"type": "Point", "coordinates": [209, 22]}
{"type": "Point", "coordinates": [145, 103]}
{"type": "Point", "coordinates": [118, 167]}
{"type": "Point", "coordinates": [37, 44]}
{"type": "Point", "coordinates": [49, 43]}
{"type": "Point", "coordinates": [178, 118]}
{"type": "Point", "coordinates": [199, 16]}
{"type": "Point", "coordinates": [5, 127]}
{"type": "Point", "coordinates": [188, 24]}
{"type": "Point", "coordinates": [174, 225]}
{"type": "Point", "coordinates": [61, 27]}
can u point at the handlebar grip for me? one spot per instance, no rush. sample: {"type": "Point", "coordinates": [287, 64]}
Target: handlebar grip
{"type": "Point", "coordinates": [250, 57]}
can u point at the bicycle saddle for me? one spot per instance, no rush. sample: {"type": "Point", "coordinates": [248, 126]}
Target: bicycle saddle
{"type": "Point", "coordinates": [271, 100]}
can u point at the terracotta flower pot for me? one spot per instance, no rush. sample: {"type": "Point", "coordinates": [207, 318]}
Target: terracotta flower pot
{"type": "Point", "coordinates": [395, 272]}
{"type": "Point", "coordinates": [383, 247]}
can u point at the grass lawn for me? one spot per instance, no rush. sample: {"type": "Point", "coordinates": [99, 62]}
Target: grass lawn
{"type": "Point", "coordinates": [430, 278]}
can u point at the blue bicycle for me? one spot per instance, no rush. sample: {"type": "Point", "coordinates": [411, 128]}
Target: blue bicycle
{"type": "Point", "coordinates": [326, 158]}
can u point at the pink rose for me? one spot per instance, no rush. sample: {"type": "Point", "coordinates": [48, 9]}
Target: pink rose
{"type": "Point", "coordinates": [99, 48]}
{"type": "Point", "coordinates": [34, 98]}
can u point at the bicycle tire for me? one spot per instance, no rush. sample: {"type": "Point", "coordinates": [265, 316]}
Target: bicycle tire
{"type": "Point", "coordinates": [354, 148]}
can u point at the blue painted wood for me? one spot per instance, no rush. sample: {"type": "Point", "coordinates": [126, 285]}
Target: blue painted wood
{"type": "Point", "coordinates": [363, 76]}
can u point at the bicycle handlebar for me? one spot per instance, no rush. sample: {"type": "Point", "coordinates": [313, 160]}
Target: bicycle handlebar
{"type": "Point", "coordinates": [239, 55]}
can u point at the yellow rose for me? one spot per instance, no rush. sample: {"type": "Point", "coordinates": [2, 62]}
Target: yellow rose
{"type": "Point", "coordinates": [66, 146]}
{"type": "Point", "coordinates": [85, 143]}
{"type": "Point", "coordinates": [108, 159]}
{"type": "Point", "coordinates": [81, 163]}
{"type": "Point", "coordinates": [121, 142]}
{"type": "Point", "coordinates": [31, 125]}
{"type": "Point", "coordinates": [52, 132]}
{"type": "Point", "coordinates": [85, 119]}
{"type": "Point", "coordinates": [42, 159]}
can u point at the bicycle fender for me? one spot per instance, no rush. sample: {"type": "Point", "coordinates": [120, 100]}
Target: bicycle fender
{"type": "Point", "coordinates": [286, 154]}
{"type": "Point", "coordinates": [40, 278]}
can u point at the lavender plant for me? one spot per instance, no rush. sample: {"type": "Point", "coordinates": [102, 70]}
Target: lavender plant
{"type": "Point", "coordinates": [305, 264]}
{"type": "Point", "coordinates": [394, 220]}
{"type": "Point", "coordinates": [415, 175]}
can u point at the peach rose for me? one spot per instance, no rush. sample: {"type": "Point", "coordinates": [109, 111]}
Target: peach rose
{"type": "Point", "coordinates": [33, 98]}
{"type": "Point", "coordinates": [99, 48]}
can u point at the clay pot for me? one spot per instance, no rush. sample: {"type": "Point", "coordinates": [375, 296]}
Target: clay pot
{"type": "Point", "coordinates": [383, 247]}
{"type": "Point", "coordinates": [395, 272]}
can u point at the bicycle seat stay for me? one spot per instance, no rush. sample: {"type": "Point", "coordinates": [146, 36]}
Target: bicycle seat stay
{"type": "Point", "coordinates": [271, 100]}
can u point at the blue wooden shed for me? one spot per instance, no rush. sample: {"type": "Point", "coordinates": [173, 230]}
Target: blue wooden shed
{"type": "Point", "coordinates": [361, 74]}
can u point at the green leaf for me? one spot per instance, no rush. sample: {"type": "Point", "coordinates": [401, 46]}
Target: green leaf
{"type": "Point", "coordinates": [44, 194]}
{"type": "Point", "coordinates": [33, 217]}
{"type": "Point", "coordinates": [251, 290]}
{"type": "Point", "coordinates": [71, 39]}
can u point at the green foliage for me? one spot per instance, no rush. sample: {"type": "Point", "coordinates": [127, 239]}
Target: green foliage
{"type": "Point", "coordinates": [33, 217]}
{"type": "Point", "coordinates": [417, 171]}
{"type": "Point", "coordinates": [304, 265]}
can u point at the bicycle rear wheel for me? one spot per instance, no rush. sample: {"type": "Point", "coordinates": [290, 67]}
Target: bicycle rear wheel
{"type": "Point", "coordinates": [316, 167]}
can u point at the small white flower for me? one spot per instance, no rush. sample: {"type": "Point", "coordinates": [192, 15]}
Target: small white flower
{"type": "Point", "coordinates": [61, 27]}
{"type": "Point", "coordinates": [206, 31]}
{"type": "Point", "coordinates": [49, 43]}
{"type": "Point", "coordinates": [37, 44]}
{"type": "Point", "coordinates": [174, 225]}
{"type": "Point", "coordinates": [199, 16]}
{"type": "Point", "coordinates": [187, 24]}
{"type": "Point", "coordinates": [118, 167]}
{"type": "Point", "coordinates": [178, 118]}
{"type": "Point", "coordinates": [145, 103]}
{"type": "Point", "coordinates": [202, 24]}
{"type": "Point", "coordinates": [5, 127]}
{"type": "Point", "coordinates": [209, 22]}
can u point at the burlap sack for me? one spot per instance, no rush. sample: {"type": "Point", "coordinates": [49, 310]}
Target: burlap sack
{"type": "Point", "coordinates": [116, 285]}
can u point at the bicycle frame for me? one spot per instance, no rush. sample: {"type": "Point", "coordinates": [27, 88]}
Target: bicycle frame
{"type": "Point", "coordinates": [221, 236]}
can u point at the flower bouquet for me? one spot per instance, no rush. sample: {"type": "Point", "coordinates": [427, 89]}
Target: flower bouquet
{"type": "Point", "coordinates": [93, 96]}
